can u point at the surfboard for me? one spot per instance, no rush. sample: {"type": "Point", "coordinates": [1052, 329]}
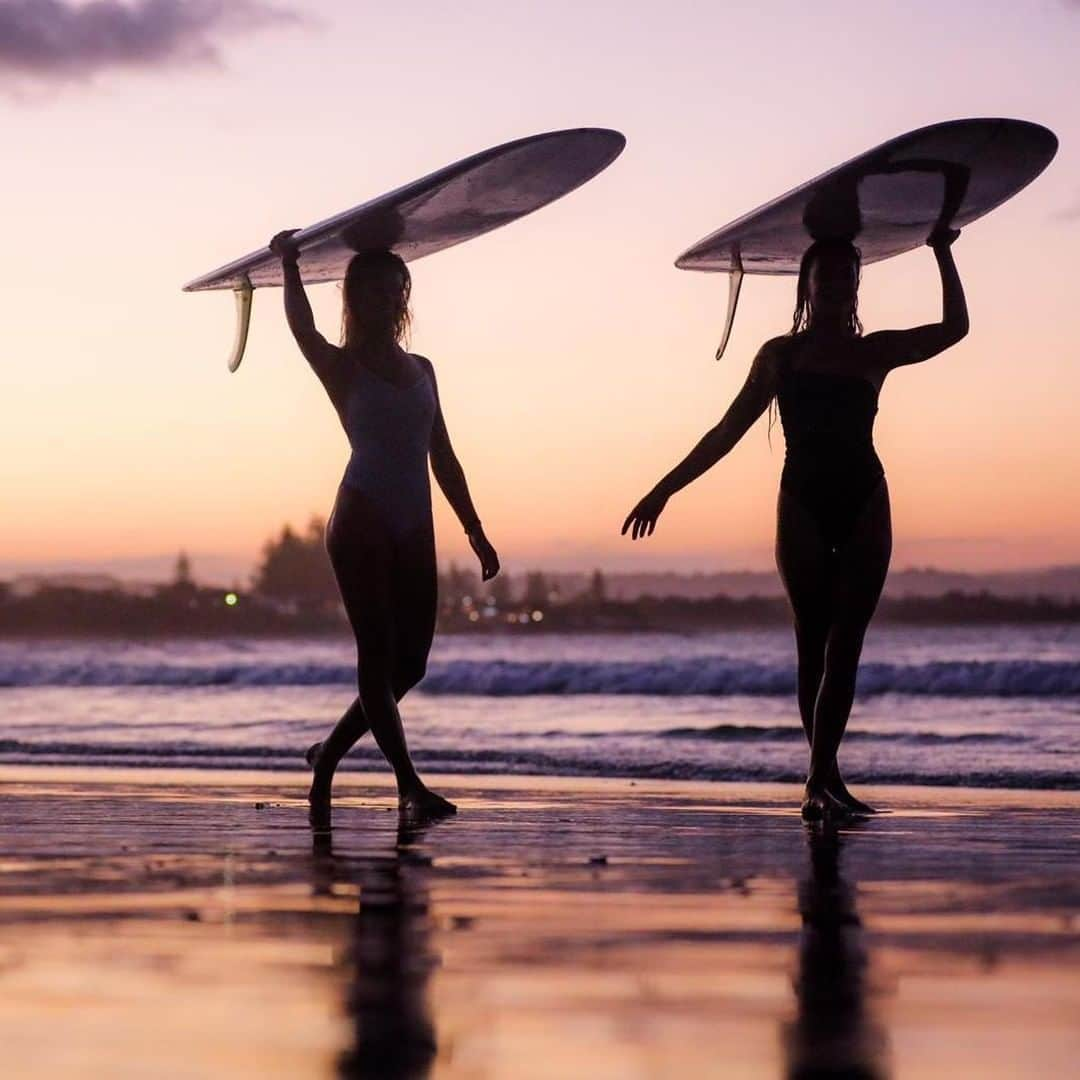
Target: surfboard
{"type": "Point", "coordinates": [447, 207]}
{"type": "Point", "coordinates": [886, 201]}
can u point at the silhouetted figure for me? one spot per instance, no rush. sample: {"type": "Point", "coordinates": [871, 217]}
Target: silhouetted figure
{"type": "Point", "coordinates": [834, 534]}
{"type": "Point", "coordinates": [390, 959]}
{"type": "Point", "coordinates": [380, 536]}
{"type": "Point", "coordinates": [835, 1033]}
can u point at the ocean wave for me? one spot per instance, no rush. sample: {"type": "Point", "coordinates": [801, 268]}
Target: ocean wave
{"type": "Point", "coordinates": [716, 676]}
{"type": "Point", "coordinates": [793, 733]}
{"type": "Point", "coordinates": [723, 677]}
{"type": "Point", "coordinates": [105, 673]}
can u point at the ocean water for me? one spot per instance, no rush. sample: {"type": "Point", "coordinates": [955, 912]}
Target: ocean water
{"type": "Point", "coordinates": [986, 706]}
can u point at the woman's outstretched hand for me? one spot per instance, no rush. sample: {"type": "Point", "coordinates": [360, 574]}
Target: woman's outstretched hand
{"type": "Point", "coordinates": [942, 238]}
{"type": "Point", "coordinates": [643, 517]}
{"type": "Point", "coordinates": [488, 556]}
{"type": "Point", "coordinates": [283, 245]}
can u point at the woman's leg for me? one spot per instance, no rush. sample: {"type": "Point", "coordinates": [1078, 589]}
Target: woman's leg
{"type": "Point", "coordinates": [324, 757]}
{"type": "Point", "coordinates": [807, 569]}
{"type": "Point", "coordinates": [362, 554]}
{"type": "Point", "coordinates": [415, 598]}
{"type": "Point", "coordinates": [860, 569]}
{"type": "Point", "coordinates": [804, 562]}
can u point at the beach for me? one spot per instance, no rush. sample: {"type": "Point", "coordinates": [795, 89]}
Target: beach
{"type": "Point", "coordinates": [624, 455]}
{"type": "Point", "coordinates": [185, 922]}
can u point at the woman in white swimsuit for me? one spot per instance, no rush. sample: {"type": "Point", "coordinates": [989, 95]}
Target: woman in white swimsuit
{"type": "Point", "coordinates": [380, 536]}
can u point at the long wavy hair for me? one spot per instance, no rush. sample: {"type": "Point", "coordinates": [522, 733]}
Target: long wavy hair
{"type": "Point", "coordinates": [804, 306]}
{"type": "Point", "coordinates": [375, 300]}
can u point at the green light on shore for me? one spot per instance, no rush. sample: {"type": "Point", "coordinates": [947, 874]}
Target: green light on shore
{"type": "Point", "coordinates": [231, 599]}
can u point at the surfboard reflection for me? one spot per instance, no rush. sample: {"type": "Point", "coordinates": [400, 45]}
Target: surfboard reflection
{"type": "Point", "coordinates": [390, 958]}
{"type": "Point", "coordinates": [835, 1032]}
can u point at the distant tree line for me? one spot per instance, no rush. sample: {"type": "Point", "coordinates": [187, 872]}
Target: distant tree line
{"type": "Point", "coordinates": [294, 570]}
{"type": "Point", "coordinates": [293, 592]}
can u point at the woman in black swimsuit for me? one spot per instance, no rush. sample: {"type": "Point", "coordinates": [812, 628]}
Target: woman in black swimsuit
{"type": "Point", "coordinates": [833, 534]}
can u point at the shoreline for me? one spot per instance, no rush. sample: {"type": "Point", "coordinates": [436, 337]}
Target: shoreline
{"type": "Point", "coordinates": [911, 795]}
{"type": "Point", "coordinates": [359, 773]}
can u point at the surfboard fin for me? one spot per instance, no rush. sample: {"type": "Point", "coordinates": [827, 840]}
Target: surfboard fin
{"type": "Point", "coordinates": [242, 294]}
{"type": "Point", "coordinates": [734, 285]}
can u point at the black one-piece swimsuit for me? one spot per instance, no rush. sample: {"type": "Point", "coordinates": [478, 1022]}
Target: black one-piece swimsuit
{"type": "Point", "coordinates": [830, 466]}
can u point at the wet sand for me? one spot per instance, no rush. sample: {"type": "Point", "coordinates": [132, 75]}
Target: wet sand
{"type": "Point", "coordinates": [189, 924]}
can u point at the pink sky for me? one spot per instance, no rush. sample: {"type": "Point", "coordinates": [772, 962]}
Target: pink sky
{"type": "Point", "coordinates": [574, 360]}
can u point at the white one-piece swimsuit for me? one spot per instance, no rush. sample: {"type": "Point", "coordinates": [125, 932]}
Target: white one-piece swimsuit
{"type": "Point", "coordinates": [389, 430]}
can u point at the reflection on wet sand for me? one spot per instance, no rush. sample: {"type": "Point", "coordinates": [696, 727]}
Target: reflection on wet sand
{"type": "Point", "coordinates": [836, 1032]}
{"type": "Point", "coordinates": [390, 956]}
{"type": "Point", "coordinates": [581, 928]}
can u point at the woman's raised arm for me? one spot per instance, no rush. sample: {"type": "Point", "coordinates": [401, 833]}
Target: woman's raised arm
{"type": "Point", "coordinates": [895, 348]}
{"type": "Point", "coordinates": [318, 352]}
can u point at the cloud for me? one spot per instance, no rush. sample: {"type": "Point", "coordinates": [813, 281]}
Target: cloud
{"type": "Point", "coordinates": [58, 40]}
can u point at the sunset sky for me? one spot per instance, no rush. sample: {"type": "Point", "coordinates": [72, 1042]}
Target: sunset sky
{"type": "Point", "coordinates": [575, 362]}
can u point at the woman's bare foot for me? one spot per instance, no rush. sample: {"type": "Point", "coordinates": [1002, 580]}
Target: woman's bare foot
{"type": "Point", "coordinates": [821, 806]}
{"type": "Point", "coordinates": [421, 803]}
{"type": "Point", "coordinates": [839, 791]}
